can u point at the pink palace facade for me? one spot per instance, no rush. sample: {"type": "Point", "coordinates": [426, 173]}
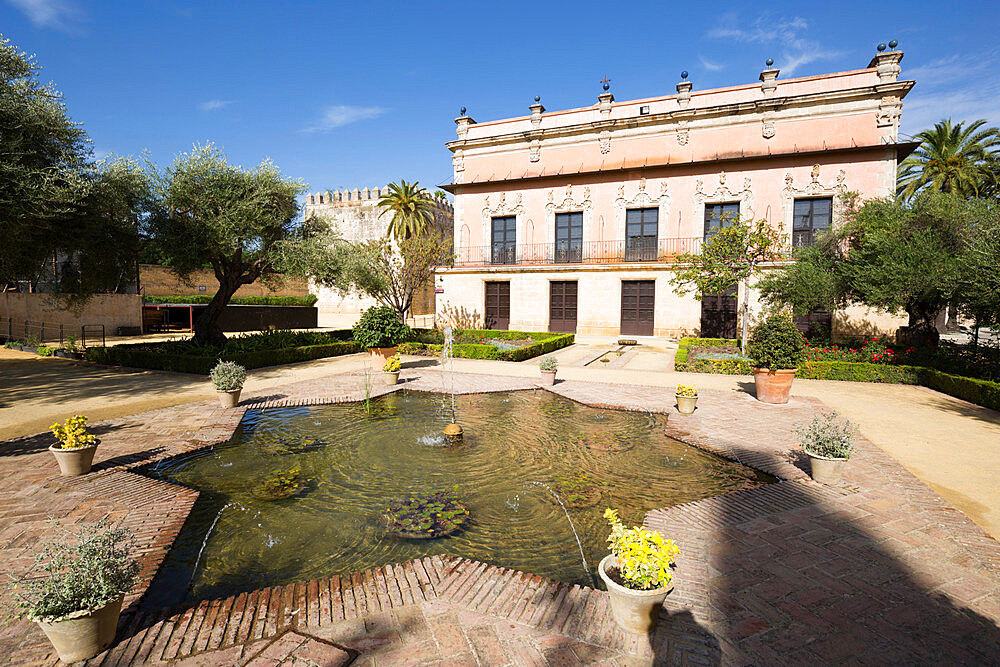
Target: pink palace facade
{"type": "Point", "coordinates": [572, 220]}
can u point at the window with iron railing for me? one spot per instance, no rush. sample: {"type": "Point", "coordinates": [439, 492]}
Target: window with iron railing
{"type": "Point", "coordinates": [504, 248]}
{"type": "Point", "coordinates": [640, 234]}
{"type": "Point", "coordinates": [810, 217]}
{"type": "Point", "coordinates": [569, 238]}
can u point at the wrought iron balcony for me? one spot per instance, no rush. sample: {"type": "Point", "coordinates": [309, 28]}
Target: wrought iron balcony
{"type": "Point", "coordinates": [578, 252]}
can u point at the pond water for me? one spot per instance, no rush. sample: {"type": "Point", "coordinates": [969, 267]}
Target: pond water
{"type": "Point", "coordinates": [353, 462]}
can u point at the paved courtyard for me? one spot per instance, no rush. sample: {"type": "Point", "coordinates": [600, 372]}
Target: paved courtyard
{"type": "Point", "coordinates": [880, 569]}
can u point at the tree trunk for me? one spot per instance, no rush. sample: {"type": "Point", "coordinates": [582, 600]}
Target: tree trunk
{"type": "Point", "coordinates": [206, 328]}
{"type": "Point", "coordinates": [746, 315]}
{"type": "Point", "coordinates": [922, 325]}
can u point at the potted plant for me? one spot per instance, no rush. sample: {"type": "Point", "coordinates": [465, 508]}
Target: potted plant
{"type": "Point", "coordinates": [70, 350]}
{"type": "Point", "coordinates": [828, 442]}
{"type": "Point", "coordinates": [637, 573]}
{"type": "Point", "coordinates": [548, 366]}
{"type": "Point", "coordinates": [391, 369]}
{"type": "Point", "coordinates": [775, 350]}
{"type": "Point", "coordinates": [31, 343]}
{"type": "Point", "coordinates": [76, 448]}
{"type": "Point", "coordinates": [228, 378]}
{"type": "Point", "coordinates": [75, 589]}
{"type": "Point", "coordinates": [687, 398]}
{"type": "Point", "coordinates": [380, 330]}
{"type": "Point", "coordinates": [45, 351]}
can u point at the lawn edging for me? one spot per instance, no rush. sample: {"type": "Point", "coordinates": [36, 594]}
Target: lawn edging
{"type": "Point", "coordinates": [981, 392]}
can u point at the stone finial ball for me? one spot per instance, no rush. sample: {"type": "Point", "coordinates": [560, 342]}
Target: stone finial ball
{"type": "Point", "coordinates": [881, 47]}
{"type": "Point", "coordinates": [538, 98]}
{"type": "Point", "coordinates": [893, 44]}
{"type": "Point", "coordinates": [684, 74]}
{"type": "Point", "coordinates": [606, 86]}
{"type": "Point", "coordinates": [769, 62]}
{"type": "Point", "coordinates": [462, 111]}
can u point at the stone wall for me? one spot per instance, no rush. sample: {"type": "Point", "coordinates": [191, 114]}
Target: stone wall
{"type": "Point", "coordinates": [110, 310]}
{"type": "Point", "coordinates": [161, 281]}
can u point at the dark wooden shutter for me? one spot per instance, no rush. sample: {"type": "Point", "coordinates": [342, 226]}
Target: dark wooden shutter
{"type": "Point", "coordinates": [497, 305]}
{"type": "Point", "coordinates": [562, 306]}
{"type": "Point", "coordinates": [638, 306]}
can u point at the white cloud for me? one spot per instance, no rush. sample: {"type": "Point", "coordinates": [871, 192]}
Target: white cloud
{"type": "Point", "coordinates": [710, 66]}
{"type": "Point", "coordinates": [956, 87]}
{"type": "Point", "coordinates": [214, 105]}
{"type": "Point", "coordinates": [340, 115]}
{"type": "Point", "coordinates": [785, 34]}
{"type": "Point", "coordinates": [56, 14]}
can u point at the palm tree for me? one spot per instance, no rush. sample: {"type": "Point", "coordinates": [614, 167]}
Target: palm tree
{"type": "Point", "coordinates": [951, 158]}
{"type": "Point", "coordinates": [410, 206]}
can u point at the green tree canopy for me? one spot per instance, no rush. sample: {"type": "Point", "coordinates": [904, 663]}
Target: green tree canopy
{"type": "Point", "coordinates": [409, 206]}
{"type": "Point", "coordinates": [734, 255]}
{"type": "Point", "coordinates": [241, 222]}
{"type": "Point", "coordinates": [952, 157]}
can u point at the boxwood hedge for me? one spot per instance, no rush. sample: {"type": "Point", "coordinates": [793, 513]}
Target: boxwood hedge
{"type": "Point", "coordinates": [544, 343]}
{"type": "Point", "coordinates": [980, 392]}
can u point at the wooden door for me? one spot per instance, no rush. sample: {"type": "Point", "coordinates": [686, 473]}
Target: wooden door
{"type": "Point", "coordinates": [638, 302]}
{"type": "Point", "coordinates": [562, 306]}
{"type": "Point", "coordinates": [718, 314]}
{"type": "Point", "coordinates": [497, 305]}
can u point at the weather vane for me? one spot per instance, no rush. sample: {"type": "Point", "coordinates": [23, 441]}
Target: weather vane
{"type": "Point", "coordinates": [606, 82]}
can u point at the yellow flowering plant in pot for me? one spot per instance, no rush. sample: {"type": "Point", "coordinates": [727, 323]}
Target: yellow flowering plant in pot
{"type": "Point", "coordinates": [391, 369]}
{"type": "Point", "coordinates": [638, 573]}
{"type": "Point", "coordinates": [687, 398]}
{"type": "Point", "coordinates": [76, 447]}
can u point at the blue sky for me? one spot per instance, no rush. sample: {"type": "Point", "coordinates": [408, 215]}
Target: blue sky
{"type": "Point", "coordinates": [346, 95]}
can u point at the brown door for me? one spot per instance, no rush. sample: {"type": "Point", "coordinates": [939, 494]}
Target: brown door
{"type": "Point", "coordinates": [718, 314]}
{"type": "Point", "coordinates": [638, 301]}
{"type": "Point", "coordinates": [498, 305]}
{"type": "Point", "coordinates": [562, 306]}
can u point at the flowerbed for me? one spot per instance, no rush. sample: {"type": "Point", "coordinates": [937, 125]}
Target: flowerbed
{"type": "Point", "coordinates": [853, 365]}
{"type": "Point", "coordinates": [487, 344]}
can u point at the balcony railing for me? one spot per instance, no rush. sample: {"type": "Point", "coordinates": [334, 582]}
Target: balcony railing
{"type": "Point", "coordinates": [577, 252]}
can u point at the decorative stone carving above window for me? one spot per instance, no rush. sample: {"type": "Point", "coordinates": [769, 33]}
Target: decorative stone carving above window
{"type": "Point", "coordinates": [643, 199]}
{"type": "Point", "coordinates": [814, 188]}
{"type": "Point", "coordinates": [504, 206]}
{"type": "Point", "coordinates": [767, 127]}
{"type": "Point", "coordinates": [605, 139]}
{"type": "Point", "coordinates": [888, 117]}
{"type": "Point", "coordinates": [534, 149]}
{"type": "Point", "coordinates": [721, 195]}
{"type": "Point", "coordinates": [682, 132]}
{"type": "Point", "coordinates": [568, 205]}
{"type": "Point", "coordinates": [458, 161]}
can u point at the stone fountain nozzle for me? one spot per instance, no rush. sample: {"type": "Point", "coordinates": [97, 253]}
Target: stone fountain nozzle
{"type": "Point", "coordinates": [453, 432]}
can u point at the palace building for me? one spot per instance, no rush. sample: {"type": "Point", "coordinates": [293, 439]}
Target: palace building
{"type": "Point", "coordinates": [573, 220]}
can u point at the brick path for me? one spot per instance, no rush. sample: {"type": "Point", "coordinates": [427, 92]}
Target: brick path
{"type": "Point", "coordinates": [877, 570]}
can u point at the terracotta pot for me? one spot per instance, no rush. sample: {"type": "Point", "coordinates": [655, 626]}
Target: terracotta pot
{"type": "Point", "coordinates": [548, 378]}
{"type": "Point", "coordinates": [391, 377]}
{"type": "Point", "coordinates": [84, 634]}
{"type": "Point", "coordinates": [825, 470]}
{"type": "Point", "coordinates": [634, 611]}
{"type": "Point", "coordinates": [74, 462]}
{"type": "Point", "coordinates": [685, 404]}
{"type": "Point", "coordinates": [380, 355]}
{"type": "Point", "coordinates": [773, 386]}
{"type": "Point", "coordinates": [229, 399]}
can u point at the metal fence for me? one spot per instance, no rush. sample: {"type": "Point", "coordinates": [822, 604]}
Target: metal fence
{"type": "Point", "coordinates": [35, 332]}
{"type": "Point", "coordinates": [578, 252]}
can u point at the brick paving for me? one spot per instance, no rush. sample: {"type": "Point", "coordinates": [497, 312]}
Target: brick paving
{"type": "Point", "coordinates": [879, 569]}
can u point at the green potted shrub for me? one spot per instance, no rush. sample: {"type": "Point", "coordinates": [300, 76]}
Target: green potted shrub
{"type": "Point", "coordinates": [638, 573]}
{"type": "Point", "coordinates": [45, 351]}
{"type": "Point", "coordinates": [74, 590]}
{"type": "Point", "coordinates": [548, 367]}
{"type": "Point", "coordinates": [31, 343]}
{"type": "Point", "coordinates": [687, 398]}
{"type": "Point", "coordinates": [776, 351]}
{"type": "Point", "coordinates": [228, 378]}
{"type": "Point", "coordinates": [76, 447]}
{"type": "Point", "coordinates": [380, 330]}
{"type": "Point", "coordinates": [70, 350]}
{"type": "Point", "coordinates": [391, 369]}
{"type": "Point", "coordinates": [828, 442]}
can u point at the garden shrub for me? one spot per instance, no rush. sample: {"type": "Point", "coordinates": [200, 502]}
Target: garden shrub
{"type": "Point", "coordinates": [980, 392]}
{"type": "Point", "coordinates": [776, 343]}
{"type": "Point", "coordinates": [200, 299]}
{"type": "Point", "coordinates": [545, 342]}
{"type": "Point", "coordinates": [379, 326]}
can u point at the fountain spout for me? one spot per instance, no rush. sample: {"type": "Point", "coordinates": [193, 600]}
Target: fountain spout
{"type": "Point", "coordinates": [452, 431]}
{"type": "Point", "coordinates": [583, 557]}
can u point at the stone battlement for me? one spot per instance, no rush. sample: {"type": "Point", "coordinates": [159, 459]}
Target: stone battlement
{"type": "Point", "coordinates": [355, 196]}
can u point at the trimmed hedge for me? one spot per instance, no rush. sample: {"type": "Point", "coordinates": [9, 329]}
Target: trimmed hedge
{"type": "Point", "coordinates": [544, 343]}
{"type": "Point", "coordinates": [140, 356]}
{"type": "Point", "coordinates": [202, 299]}
{"type": "Point", "coordinates": [980, 392]}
